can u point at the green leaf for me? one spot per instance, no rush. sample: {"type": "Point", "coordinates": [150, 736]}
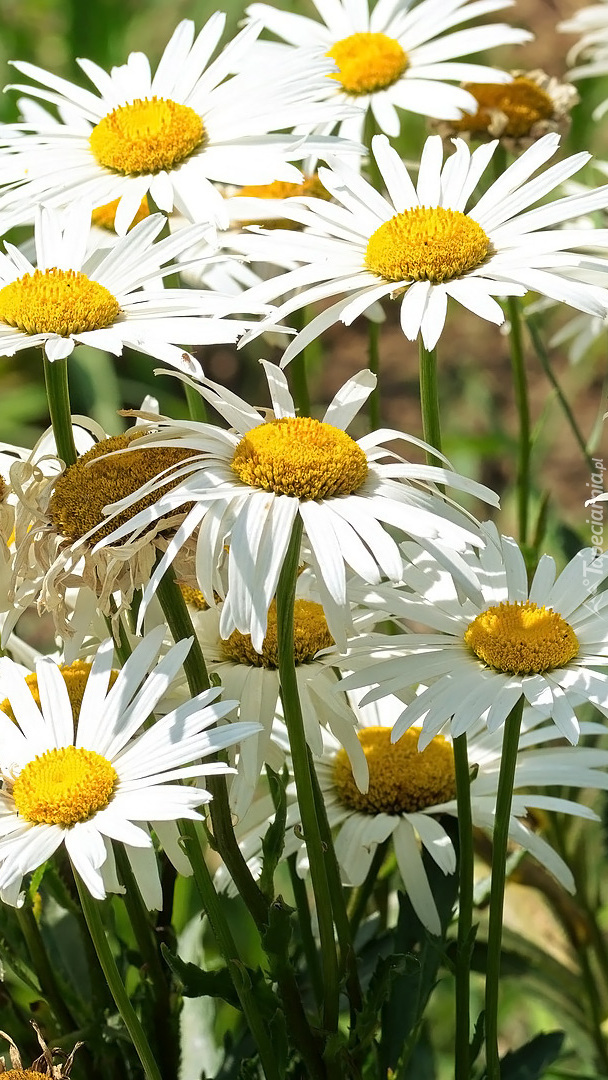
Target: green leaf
{"type": "Point", "coordinates": [273, 841]}
{"type": "Point", "coordinates": [531, 1060]}
{"type": "Point", "coordinates": [277, 935]}
{"type": "Point", "coordinates": [195, 982]}
{"type": "Point", "coordinates": [380, 985]}
{"type": "Point", "coordinates": [478, 1037]}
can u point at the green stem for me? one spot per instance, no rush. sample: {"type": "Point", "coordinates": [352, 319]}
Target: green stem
{"type": "Point", "coordinates": [541, 352]}
{"type": "Point", "coordinates": [180, 624]}
{"type": "Point", "coordinates": [43, 968]}
{"type": "Point", "coordinates": [91, 912]}
{"type": "Point", "coordinates": [227, 946]}
{"type": "Point", "coordinates": [465, 908]}
{"type": "Point", "coordinates": [373, 356]}
{"type": "Point", "coordinates": [304, 784]}
{"type": "Point", "coordinates": [196, 404]}
{"type": "Point", "coordinates": [305, 927]}
{"type": "Point", "coordinates": [369, 131]}
{"type": "Point", "coordinates": [500, 841]}
{"type": "Point", "coordinates": [429, 401]}
{"type": "Point", "coordinates": [520, 383]}
{"type": "Point", "coordinates": [57, 391]}
{"type": "Point", "coordinates": [298, 371]}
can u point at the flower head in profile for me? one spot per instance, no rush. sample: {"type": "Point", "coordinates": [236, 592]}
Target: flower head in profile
{"type": "Point", "coordinates": [518, 113]}
{"type": "Point", "coordinates": [547, 643]}
{"type": "Point", "coordinates": [85, 784]}
{"type": "Point", "coordinates": [411, 792]}
{"type": "Point", "coordinates": [173, 134]}
{"type": "Point", "coordinates": [253, 483]}
{"type": "Point", "coordinates": [396, 56]}
{"type": "Point", "coordinates": [421, 245]}
{"type": "Point", "coordinates": [76, 296]}
{"type": "Point", "coordinates": [589, 55]}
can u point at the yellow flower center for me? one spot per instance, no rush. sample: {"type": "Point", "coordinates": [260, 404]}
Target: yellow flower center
{"type": "Point", "coordinates": [82, 491]}
{"type": "Point", "coordinates": [310, 635]}
{"type": "Point", "coordinates": [282, 189]}
{"type": "Point", "coordinates": [302, 457]}
{"type": "Point", "coordinates": [22, 1074]}
{"type": "Point", "coordinates": [402, 779]}
{"type": "Point", "coordinates": [63, 787]}
{"type": "Point", "coordinates": [426, 244]}
{"type": "Point", "coordinates": [75, 676]}
{"type": "Point", "coordinates": [147, 136]}
{"type": "Point", "coordinates": [104, 216]}
{"type": "Point", "coordinates": [57, 302]}
{"type": "Point", "coordinates": [522, 102]}
{"type": "Point", "coordinates": [193, 596]}
{"type": "Point", "coordinates": [367, 62]}
{"type": "Point", "coordinates": [520, 638]}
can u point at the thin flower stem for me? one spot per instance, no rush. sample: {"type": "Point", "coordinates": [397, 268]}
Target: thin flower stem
{"type": "Point", "coordinates": [304, 785]}
{"type": "Point", "coordinates": [429, 401]}
{"type": "Point", "coordinates": [58, 395]}
{"type": "Point", "coordinates": [90, 909]}
{"type": "Point", "coordinates": [520, 383]}
{"type": "Point", "coordinates": [227, 946]}
{"type": "Point", "coordinates": [541, 352]}
{"type": "Point", "coordinates": [373, 356]}
{"type": "Point", "coordinates": [465, 908]}
{"type": "Point", "coordinates": [500, 841]}
{"type": "Point", "coordinates": [43, 968]}
{"type": "Point", "coordinates": [298, 370]}
{"type": "Point", "coordinates": [305, 927]}
{"type": "Point", "coordinates": [196, 404]}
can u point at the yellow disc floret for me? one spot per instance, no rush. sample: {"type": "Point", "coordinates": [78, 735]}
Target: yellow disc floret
{"type": "Point", "coordinates": [147, 136]}
{"type": "Point", "coordinates": [104, 216]}
{"type": "Point", "coordinates": [57, 302]}
{"type": "Point", "coordinates": [402, 779]}
{"type": "Point", "coordinates": [22, 1074]}
{"type": "Point", "coordinates": [522, 102]}
{"type": "Point", "coordinates": [310, 633]}
{"type": "Point", "coordinates": [520, 638]}
{"type": "Point", "coordinates": [82, 491]}
{"type": "Point", "coordinates": [63, 787]}
{"type": "Point", "coordinates": [302, 457]}
{"type": "Point", "coordinates": [426, 244]}
{"type": "Point", "coordinates": [283, 189]}
{"type": "Point", "coordinates": [75, 677]}
{"type": "Point", "coordinates": [367, 62]}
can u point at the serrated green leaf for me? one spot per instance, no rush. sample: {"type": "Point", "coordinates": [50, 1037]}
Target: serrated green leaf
{"type": "Point", "coordinates": [386, 971]}
{"type": "Point", "coordinates": [277, 935]}
{"type": "Point", "coordinates": [195, 982]}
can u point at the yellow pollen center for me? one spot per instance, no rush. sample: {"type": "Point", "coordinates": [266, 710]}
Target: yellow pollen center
{"type": "Point", "coordinates": [147, 136]}
{"type": "Point", "coordinates": [302, 457]}
{"type": "Point", "coordinates": [22, 1074]}
{"type": "Point", "coordinates": [82, 491]}
{"type": "Point", "coordinates": [75, 677]}
{"type": "Point", "coordinates": [310, 635]}
{"type": "Point", "coordinates": [63, 787]}
{"type": "Point", "coordinates": [104, 216]}
{"type": "Point", "coordinates": [367, 62]}
{"type": "Point", "coordinates": [522, 102]}
{"type": "Point", "coordinates": [426, 244]}
{"type": "Point", "coordinates": [193, 596]}
{"type": "Point", "coordinates": [402, 779]}
{"type": "Point", "coordinates": [56, 301]}
{"type": "Point", "coordinates": [520, 638]}
{"type": "Point", "coordinates": [282, 189]}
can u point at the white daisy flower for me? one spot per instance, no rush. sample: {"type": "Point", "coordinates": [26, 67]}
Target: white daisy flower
{"type": "Point", "coordinates": [256, 479]}
{"type": "Point", "coordinates": [85, 785]}
{"type": "Point", "coordinates": [172, 134]}
{"type": "Point", "coordinates": [70, 297]}
{"type": "Point", "coordinates": [421, 245]}
{"type": "Point", "coordinates": [410, 792]}
{"type": "Point", "coordinates": [544, 642]}
{"type": "Point", "coordinates": [398, 56]}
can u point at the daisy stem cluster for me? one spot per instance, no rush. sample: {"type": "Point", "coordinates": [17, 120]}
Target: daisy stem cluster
{"type": "Point", "coordinates": [429, 401]}
{"type": "Point", "coordinates": [58, 397]}
{"type": "Point", "coordinates": [466, 938]}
